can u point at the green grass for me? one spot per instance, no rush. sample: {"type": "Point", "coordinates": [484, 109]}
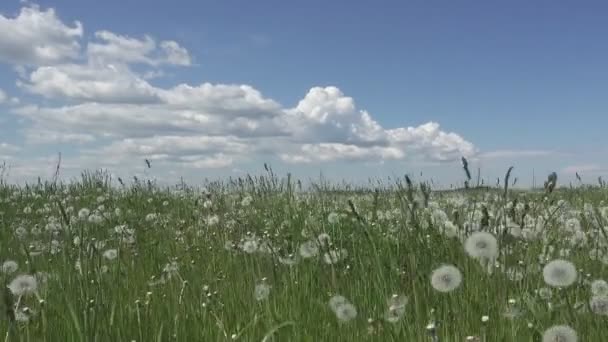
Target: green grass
{"type": "Point", "coordinates": [392, 240]}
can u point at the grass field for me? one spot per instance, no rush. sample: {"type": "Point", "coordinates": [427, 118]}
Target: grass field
{"type": "Point", "coordinates": [260, 259]}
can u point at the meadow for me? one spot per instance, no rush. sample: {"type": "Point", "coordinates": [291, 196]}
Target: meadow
{"type": "Point", "coordinates": [264, 258]}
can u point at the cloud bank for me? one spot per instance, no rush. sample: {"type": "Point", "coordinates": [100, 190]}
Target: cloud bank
{"type": "Point", "coordinates": [114, 115]}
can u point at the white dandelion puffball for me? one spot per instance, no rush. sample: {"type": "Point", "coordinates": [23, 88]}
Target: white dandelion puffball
{"type": "Point", "coordinates": [261, 292]}
{"type": "Point", "coordinates": [396, 308]}
{"type": "Point", "coordinates": [110, 254]}
{"type": "Point", "coordinates": [333, 218]}
{"type": "Point", "coordinates": [9, 267]}
{"type": "Point", "coordinates": [559, 273]}
{"type": "Point", "coordinates": [344, 310]}
{"type": "Point", "coordinates": [599, 305]}
{"type": "Point", "coordinates": [309, 249]}
{"type": "Point", "coordinates": [446, 278]}
{"type": "Point", "coordinates": [23, 284]}
{"type": "Point", "coordinates": [560, 333]}
{"type": "Point", "coordinates": [481, 245]}
{"type": "Point", "coordinates": [336, 301]}
{"type": "Point", "coordinates": [599, 288]}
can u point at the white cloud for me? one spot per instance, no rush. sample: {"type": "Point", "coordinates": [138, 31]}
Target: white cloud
{"type": "Point", "coordinates": [114, 48]}
{"type": "Point", "coordinates": [3, 96]}
{"type": "Point", "coordinates": [100, 99]}
{"type": "Point", "coordinates": [322, 152]}
{"type": "Point", "coordinates": [37, 37]}
{"type": "Point", "coordinates": [175, 54]}
{"type": "Point", "coordinates": [90, 82]}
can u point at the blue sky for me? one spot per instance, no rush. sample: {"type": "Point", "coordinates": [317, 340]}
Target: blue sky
{"type": "Point", "coordinates": [520, 83]}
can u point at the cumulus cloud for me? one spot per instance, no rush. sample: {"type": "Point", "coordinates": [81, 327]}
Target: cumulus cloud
{"type": "Point", "coordinates": [90, 82]}
{"type": "Point", "coordinates": [38, 37]}
{"type": "Point", "coordinates": [3, 96]}
{"type": "Point", "coordinates": [113, 48]}
{"type": "Point", "coordinates": [100, 101]}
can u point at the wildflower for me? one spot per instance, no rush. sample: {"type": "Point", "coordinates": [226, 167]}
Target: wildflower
{"type": "Point", "coordinates": [262, 290]}
{"type": "Point", "coordinates": [84, 213]}
{"type": "Point", "coordinates": [333, 218]}
{"type": "Point", "coordinates": [95, 218]}
{"type": "Point", "coordinates": [151, 217]}
{"type": "Point", "coordinates": [334, 256]}
{"type": "Point", "coordinates": [212, 220]}
{"type": "Point", "coordinates": [309, 249]}
{"type": "Point", "coordinates": [545, 293]}
{"type": "Point", "coordinates": [396, 308]}
{"type": "Point", "coordinates": [23, 284]}
{"type": "Point", "coordinates": [110, 254]}
{"type": "Point", "coordinates": [481, 245]}
{"type": "Point", "coordinates": [246, 201]}
{"type": "Point", "coordinates": [559, 273]}
{"type": "Point", "coordinates": [249, 246]}
{"type": "Point", "coordinates": [288, 260]}
{"type": "Point", "coordinates": [599, 305]}
{"type": "Point", "coordinates": [450, 230]}
{"type": "Point", "coordinates": [599, 288]}
{"type": "Point", "coordinates": [324, 239]}
{"type": "Point", "coordinates": [9, 267]}
{"type": "Point", "coordinates": [561, 333]}
{"type": "Point", "coordinates": [344, 310]}
{"type": "Point", "coordinates": [207, 204]}
{"type": "Point", "coordinates": [336, 301]}
{"type": "Point", "coordinates": [446, 278]}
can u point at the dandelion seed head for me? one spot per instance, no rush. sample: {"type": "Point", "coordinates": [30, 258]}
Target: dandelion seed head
{"type": "Point", "coordinates": [110, 254]}
{"type": "Point", "coordinates": [599, 305]}
{"type": "Point", "coordinates": [9, 267]}
{"type": "Point", "coordinates": [599, 287]}
{"type": "Point", "coordinates": [482, 245]}
{"type": "Point", "coordinates": [23, 284]}
{"type": "Point", "coordinates": [446, 278]}
{"type": "Point", "coordinates": [559, 273]}
{"type": "Point", "coordinates": [261, 292]}
{"type": "Point", "coordinates": [560, 333]}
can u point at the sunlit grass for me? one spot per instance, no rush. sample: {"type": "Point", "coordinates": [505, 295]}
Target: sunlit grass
{"type": "Point", "coordinates": [260, 259]}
